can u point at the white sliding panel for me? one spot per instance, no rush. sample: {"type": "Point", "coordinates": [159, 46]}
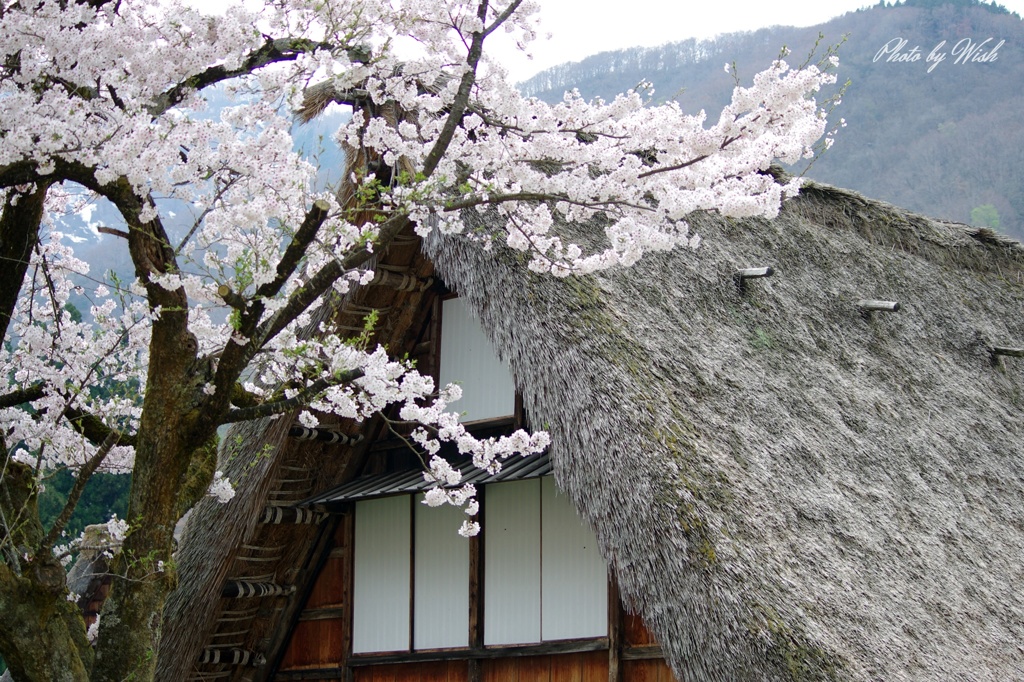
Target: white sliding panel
{"type": "Point", "coordinates": [380, 603]}
{"type": "Point", "coordinates": [512, 563]}
{"type": "Point", "coordinates": [468, 359]}
{"type": "Point", "coordinates": [441, 592]}
{"type": "Point", "coordinates": [574, 578]}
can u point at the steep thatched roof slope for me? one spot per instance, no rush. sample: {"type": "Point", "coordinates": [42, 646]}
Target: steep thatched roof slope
{"type": "Point", "coordinates": [785, 488]}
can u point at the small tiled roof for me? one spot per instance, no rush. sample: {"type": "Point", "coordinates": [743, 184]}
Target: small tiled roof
{"type": "Point", "coordinates": [412, 480]}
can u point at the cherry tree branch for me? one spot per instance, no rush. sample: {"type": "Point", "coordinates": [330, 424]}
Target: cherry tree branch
{"type": "Point", "coordinates": [271, 52]}
{"type": "Point", "coordinates": [461, 101]}
{"type": "Point", "coordinates": [23, 395]}
{"type": "Point", "coordinates": [675, 167]}
{"type": "Point", "coordinates": [537, 196]}
{"type": "Point", "coordinates": [301, 399]}
{"type": "Point", "coordinates": [319, 283]}
{"type": "Point", "coordinates": [81, 480]}
{"type": "Point", "coordinates": [296, 250]}
{"type": "Point", "coordinates": [93, 429]}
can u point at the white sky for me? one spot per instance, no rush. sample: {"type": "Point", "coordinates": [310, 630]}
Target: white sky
{"type": "Point", "coordinates": [582, 28]}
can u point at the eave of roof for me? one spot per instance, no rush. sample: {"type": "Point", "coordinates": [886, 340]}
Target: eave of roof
{"type": "Point", "coordinates": [412, 480]}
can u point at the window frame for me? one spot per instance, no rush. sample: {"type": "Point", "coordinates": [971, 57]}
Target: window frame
{"type": "Point", "coordinates": [476, 589]}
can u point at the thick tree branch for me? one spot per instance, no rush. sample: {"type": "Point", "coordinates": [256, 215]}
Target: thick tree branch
{"type": "Point", "coordinates": [296, 250]}
{"type": "Point", "coordinates": [299, 400]}
{"type": "Point", "coordinates": [243, 398]}
{"type": "Point", "coordinates": [272, 51]}
{"type": "Point", "coordinates": [502, 18]}
{"type": "Point", "coordinates": [463, 204]}
{"type": "Point", "coordinates": [93, 428]}
{"type": "Point", "coordinates": [86, 424]}
{"type": "Point", "coordinates": [24, 395]}
{"type": "Point", "coordinates": [20, 218]}
{"type": "Point", "coordinates": [317, 285]}
{"type": "Point", "coordinates": [229, 296]}
{"type": "Point", "coordinates": [18, 173]}
{"type": "Point", "coordinates": [112, 231]}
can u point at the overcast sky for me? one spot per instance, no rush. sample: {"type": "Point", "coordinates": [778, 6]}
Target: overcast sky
{"type": "Point", "coordinates": [581, 28]}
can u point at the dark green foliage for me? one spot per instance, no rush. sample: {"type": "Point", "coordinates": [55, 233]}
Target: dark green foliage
{"type": "Point", "coordinates": [104, 494]}
{"type": "Point", "coordinates": [76, 314]}
{"type": "Point", "coordinates": [993, 7]}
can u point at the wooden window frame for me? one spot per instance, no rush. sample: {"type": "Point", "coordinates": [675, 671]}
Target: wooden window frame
{"type": "Point", "coordinates": [476, 650]}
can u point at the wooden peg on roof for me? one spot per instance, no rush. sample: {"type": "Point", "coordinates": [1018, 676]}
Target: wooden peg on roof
{"type": "Point", "coordinates": [868, 306]}
{"type": "Point", "coordinates": [741, 276]}
{"type": "Point", "coordinates": [999, 352]}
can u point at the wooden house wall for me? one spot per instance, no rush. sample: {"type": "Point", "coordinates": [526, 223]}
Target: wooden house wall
{"type": "Point", "coordinates": [649, 670]}
{"type": "Point", "coordinates": [318, 639]}
{"type": "Point", "coordinates": [318, 643]}
{"type": "Point", "coordinates": [580, 667]}
{"type": "Point", "coordinates": [635, 632]}
{"type": "Point", "coordinates": [591, 666]}
{"type": "Point", "coordinates": [433, 671]}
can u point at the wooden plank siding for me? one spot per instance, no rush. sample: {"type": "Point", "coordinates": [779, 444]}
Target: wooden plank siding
{"type": "Point", "coordinates": [330, 585]}
{"type": "Point", "coordinates": [314, 644]}
{"type": "Point", "coordinates": [635, 632]}
{"type": "Point", "coordinates": [436, 671]}
{"type": "Point", "coordinates": [653, 670]}
{"type": "Point", "coordinates": [591, 666]}
{"type": "Point", "coordinates": [321, 642]}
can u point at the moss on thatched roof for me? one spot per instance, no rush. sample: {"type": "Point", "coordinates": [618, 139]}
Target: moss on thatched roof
{"type": "Point", "coordinates": [785, 487]}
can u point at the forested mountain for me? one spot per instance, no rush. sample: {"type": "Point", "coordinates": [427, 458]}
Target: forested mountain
{"type": "Point", "coordinates": [940, 136]}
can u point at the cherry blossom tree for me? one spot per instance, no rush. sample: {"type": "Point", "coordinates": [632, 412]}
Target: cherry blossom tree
{"type": "Point", "coordinates": [107, 100]}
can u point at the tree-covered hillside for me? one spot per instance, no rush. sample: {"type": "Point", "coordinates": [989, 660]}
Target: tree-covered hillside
{"type": "Point", "coordinates": [939, 136]}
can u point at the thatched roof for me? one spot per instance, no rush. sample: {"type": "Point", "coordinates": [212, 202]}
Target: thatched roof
{"type": "Point", "coordinates": [784, 487]}
{"type": "Point", "coordinates": [788, 489]}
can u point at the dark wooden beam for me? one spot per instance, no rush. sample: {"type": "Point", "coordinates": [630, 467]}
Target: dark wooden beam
{"type": "Point", "coordinates": [476, 593]}
{"type": "Point", "coordinates": [310, 568]}
{"type": "Point", "coordinates": [292, 515]}
{"type": "Point", "coordinates": [323, 435]}
{"type": "Point", "coordinates": [642, 653]}
{"type": "Point", "coordinates": [231, 656]}
{"type": "Point", "coordinates": [571, 646]}
{"type": "Point", "coordinates": [614, 630]}
{"type": "Point", "coordinates": [325, 613]}
{"type": "Point", "coordinates": [348, 535]}
{"type": "Point", "coordinates": [400, 281]}
{"type": "Point", "coordinates": [331, 674]}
